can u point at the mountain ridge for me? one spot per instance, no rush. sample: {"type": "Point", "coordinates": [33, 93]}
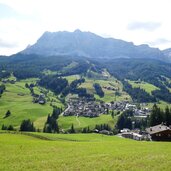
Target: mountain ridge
{"type": "Point", "coordinates": [90, 45]}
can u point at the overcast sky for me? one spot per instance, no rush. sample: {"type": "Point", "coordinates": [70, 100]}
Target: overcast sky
{"type": "Point", "coordinates": [22, 22]}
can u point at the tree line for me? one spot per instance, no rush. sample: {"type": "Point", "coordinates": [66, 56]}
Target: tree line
{"type": "Point", "coordinates": [137, 94]}
{"type": "Point", "coordinates": [159, 116]}
{"type": "Point", "coordinates": [98, 90]}
{"type": "Point", "coordinates": [2, 89]}
{"type": "Point", "coordinates": [51, 125]}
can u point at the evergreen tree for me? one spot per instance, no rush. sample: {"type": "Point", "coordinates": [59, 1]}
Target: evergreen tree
{"type": "Point", "coordinates": [51, 125]}
{"type": "Point", "coordinates": [120, 122]}
{"type": "Point", "coordinates": [4, 127]}
{"type": "Point", "coordinates": [157, 116]}
{"type": "Point", "coordinates": [54, 125]}
{"type": "Point", "coordinates": [112, 114]}
{"type": "Point", "coordinates": [56, 112]}
{"type": "Point", "coordinates": [27, 125]}
{"type": "Point", "coordinates": [167, 117]}
{"type": "Point", "coordinates": [124, 121]}
{"type": "Point", "coordinates": [26, 85]}
{"type": "Point", "coordinates": [107, 110]}
{"type": "Point", "coordinates": [84, 130]}
{"type": "Point", "coordinates": [47, 128]}
{"type": "Point", "coordinates": [88, 129]}
{"type": "Point", "coordinates": [10, 128]}
{"type": "Point", "coordinates": [153, 115]}
{"type": "Point", "coordinates": [8, 113]}
{"type": "Point", "coordinates": [72, 130]}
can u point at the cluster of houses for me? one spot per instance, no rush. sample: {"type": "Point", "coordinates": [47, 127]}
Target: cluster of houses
{"type": "Point", "coordinates": [109, 88]}
{"type": "Point", "coordinates": [39, 99]}
{"type": "Point", "coordinates": [159, 132]}
{"type": "Point", "coordinates": [90, 108]}
{"type": "Point", "coordinates": [8, 81]}
{"type": "Point", "coordinates": [84, 107]}
{"type": "Point", "coordinates": [143, 112]}
{"type": "Point", "coordinates": [135, 134]}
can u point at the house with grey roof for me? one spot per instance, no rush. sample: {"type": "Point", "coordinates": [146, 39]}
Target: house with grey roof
{"type": "Point", "coordinates": [160, 132]}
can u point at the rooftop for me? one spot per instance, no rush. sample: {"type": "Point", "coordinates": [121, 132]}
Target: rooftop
{"type": "Point", "coordinates": [157, 129]}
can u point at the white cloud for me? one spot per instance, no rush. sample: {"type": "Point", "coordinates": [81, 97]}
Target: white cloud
{"type": "Point", "coordinates": [147, 26]}
{"type": "Point", "coordinates": [104, 17]}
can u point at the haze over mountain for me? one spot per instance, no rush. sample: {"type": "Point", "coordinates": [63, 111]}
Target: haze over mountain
{"type": "Point", "coordinates": [90, 45]}
{"type": "Point", "coordinates": [167, 52]}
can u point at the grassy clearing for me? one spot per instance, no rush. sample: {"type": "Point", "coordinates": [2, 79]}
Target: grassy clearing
{"type": "Point", "coordinates": [70, 66]}
{"type": "Point", "coordinates": [109, 94]}
{"type": "Point", "coordinates": [161, 104]}
{"type": "Point", "coordinates": [49, 72]}
{"type": "Point", "coordinates": [144, 85]}
{"type": "Point", "coordinates": [21, 152]}
{"type": "Point", "coordinates": [18, 100]}
{"type": "Point", "coordinates": [72, 78]}
{"type": "Point", "coordinates": [82, 122]}
{"type": "Point", "coordinates": [110, 82]}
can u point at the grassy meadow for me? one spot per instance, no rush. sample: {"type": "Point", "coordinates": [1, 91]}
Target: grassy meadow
{"type": "Point", "coordinates": [81, 152]}
{"type": "Point", "coordinates": [65, 122]}
{"type": "Point", "coordinates": [18, 100]}
{"type": "Point", "coordinates": [143, 85]}
{"type": "Point", "coordinates": [109, 95]}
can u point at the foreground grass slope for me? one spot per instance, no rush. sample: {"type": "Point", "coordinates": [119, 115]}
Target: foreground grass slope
{"type": "Point", "coordinates": [89, 152]}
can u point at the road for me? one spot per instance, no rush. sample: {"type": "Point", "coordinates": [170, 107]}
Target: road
{"type": "Point", "coordinates": [78, 120]}
{"type": "Point", "coordinates": [66, 109]}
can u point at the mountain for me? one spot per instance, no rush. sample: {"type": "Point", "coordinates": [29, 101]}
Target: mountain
{"type": "Point", "coordinates": [167, 53]}
{"type": "Point", "coordinates": [89, 45]}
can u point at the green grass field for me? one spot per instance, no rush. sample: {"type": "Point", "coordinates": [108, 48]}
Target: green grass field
{"type": "Point", "coordinates": [65, 122]}
{"type": "Point", "coordinates": [81, 152]}
{"type": "Point", "coordinates": [18, 100]}
{"type": "Point", "coordinates": [72, 78]}
{"type": "Point", "coordinates": [144, 85]}
{"type": "Point", "coordinates": [109, 95]}
{"type": "Point", "coordinates": [161, 104]}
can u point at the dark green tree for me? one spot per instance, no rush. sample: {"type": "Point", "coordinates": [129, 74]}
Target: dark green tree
{"type": "Point", "coordinates": [27, 125]}
{"type": "Point", "coordinates": [8, 113]}
{"type": "Point", "coordinates": [167, 117]}
{"type": "Point", "coordinates": [112, 114]}
{"type": "Point", "coordinates": [84, 130]}
{"type": "Point", "coordinates": [4, 127]}
{"type": "Point", "coordinates": [72, 130]}
{"type": "Point", "coordinates": [157, 116]}
{"type": "Point", "coordinates": [10, 128]}
{"type": "Point", "coordinates": [51, 125]}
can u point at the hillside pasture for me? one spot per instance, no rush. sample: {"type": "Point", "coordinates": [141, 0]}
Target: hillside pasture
{"type": "Point", "coordinates": [18, 100]}
{"type": "Point", "coordinates": [79, 123]}
{"type": "Point", "coordinates": [143, 85]}
{"type": "Point", "coordinates": [109, 95]}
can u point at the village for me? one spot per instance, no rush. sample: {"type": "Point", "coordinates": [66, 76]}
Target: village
{"type": "Point", "coordinates": [91, 108]}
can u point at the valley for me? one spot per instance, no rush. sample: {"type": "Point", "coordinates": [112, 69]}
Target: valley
{"type": "Point", "coordinates": [71, 112]}
{"type": "Point", "coordinates": [18, 99]}
{"type": "Point", "coordinates": [85, 85]}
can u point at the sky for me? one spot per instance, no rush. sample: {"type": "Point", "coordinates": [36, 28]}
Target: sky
{"type": "Point", "coordinates": [22, 22]}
